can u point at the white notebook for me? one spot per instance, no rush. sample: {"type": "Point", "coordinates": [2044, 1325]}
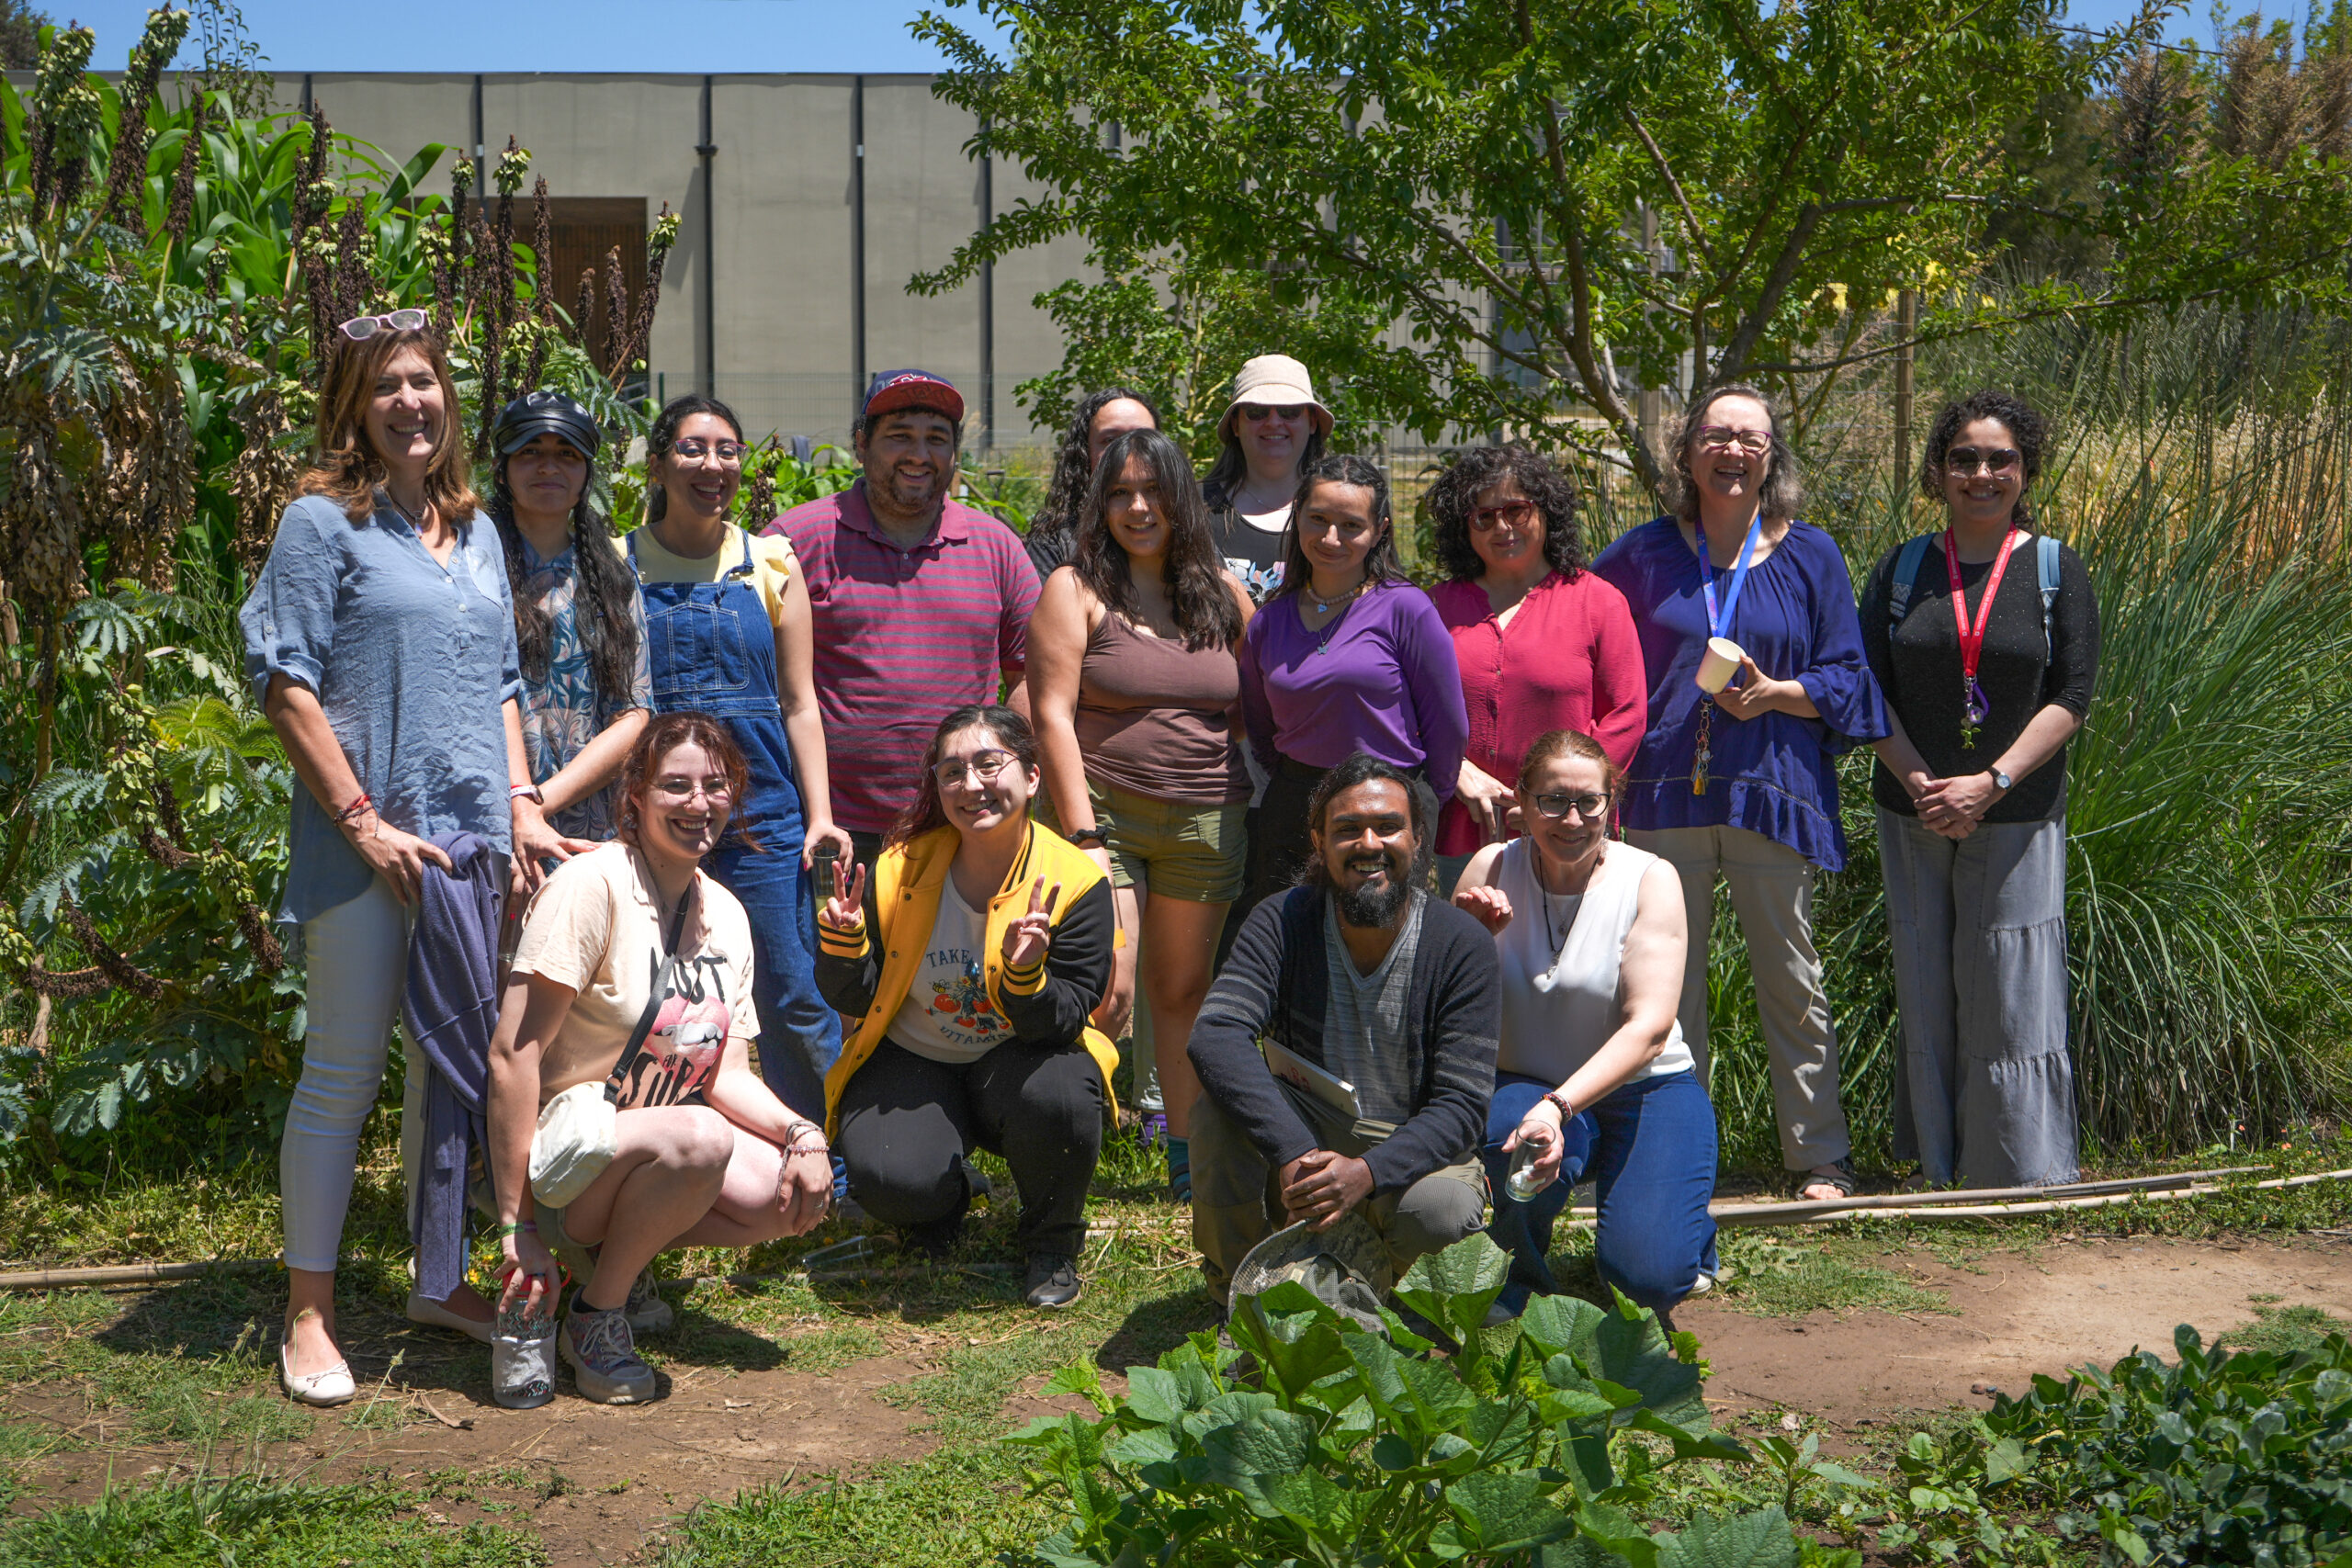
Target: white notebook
{"type": "Point", "coordinates": [1305, 1076]}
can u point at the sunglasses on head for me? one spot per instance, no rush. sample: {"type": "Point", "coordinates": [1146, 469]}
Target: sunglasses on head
{"type": "Point", "coordinates": [360, 328]}
{"type": "Point", "coordinates": [1253, 413]}
{"type": "Point", "coordinates": [1984, 459]}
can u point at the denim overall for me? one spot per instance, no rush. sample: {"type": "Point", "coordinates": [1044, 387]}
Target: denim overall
{"type": "Point", "coordinates": [712, 650]}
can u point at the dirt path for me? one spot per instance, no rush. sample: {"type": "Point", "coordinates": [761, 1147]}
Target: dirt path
{"type": "Point", "coordinates": [2042, 1311]}
{"type": "Point", "coordinates": [600, 1484]}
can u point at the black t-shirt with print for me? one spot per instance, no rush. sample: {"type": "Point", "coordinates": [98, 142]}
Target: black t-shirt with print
{"type": "Point", "coordinates": [1250, 552]}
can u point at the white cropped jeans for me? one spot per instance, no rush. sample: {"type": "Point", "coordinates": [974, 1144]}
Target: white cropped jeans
{"type": "Point", "coordinates": [358, 967]}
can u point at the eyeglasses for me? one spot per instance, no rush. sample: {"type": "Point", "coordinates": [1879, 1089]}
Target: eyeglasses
{"type": "Point", "coordinates": [692, 448]}
{"type": "Point", "coordinates": [1253, 413]}
{"type": "Point", "coordinates": [1557, 806]}
{"type": "Point", "coordinates": [1517, 513]}
{"type": "Point", "coordinates": [360, 328]}
{"type": "Point", "coordinates": [1724, 438]}
{"type": "Point", "coordinates": [1986, 460]}
{"type": "Point", "coordinates": [982, 765]}
{"type": "Point", "coordinates": [686, 789]}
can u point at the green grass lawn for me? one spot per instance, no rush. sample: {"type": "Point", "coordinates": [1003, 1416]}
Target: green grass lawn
{"type": "Point", "coordinates": [187, 1364]}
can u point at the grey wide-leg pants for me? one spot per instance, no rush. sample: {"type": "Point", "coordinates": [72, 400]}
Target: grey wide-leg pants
{"type": "Point", "coordinates": [1984, 1088]}
{"type": "Point", "coordinates": [1772, 894]}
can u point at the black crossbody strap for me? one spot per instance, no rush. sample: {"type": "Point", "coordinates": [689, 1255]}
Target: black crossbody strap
{"type": "Point", "coordinates": [622, 1068]}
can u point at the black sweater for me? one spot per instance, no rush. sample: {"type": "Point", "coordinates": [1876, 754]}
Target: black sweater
{"type": "Point", "coordinates": [1277, 984]}
{"type": "Point", "coordinates": [1917, 666]}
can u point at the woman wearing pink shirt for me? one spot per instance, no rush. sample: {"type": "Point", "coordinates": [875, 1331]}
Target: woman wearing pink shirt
{"type": "Point", "coordinates": [1543, 643]}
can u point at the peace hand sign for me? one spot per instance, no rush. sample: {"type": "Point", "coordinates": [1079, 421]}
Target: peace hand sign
{"type": "Point", "coordinates": [1026, 939]}
{"type": "Point", "coordinates": [845, 910]}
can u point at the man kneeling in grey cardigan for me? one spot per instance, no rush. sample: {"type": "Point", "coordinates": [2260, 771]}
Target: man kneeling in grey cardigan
{"type": "Point", "coordinates": [1361, 973]}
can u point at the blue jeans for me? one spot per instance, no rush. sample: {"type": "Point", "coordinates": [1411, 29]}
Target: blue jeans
{"type": "Point", "coordinates": [1650, 1147]}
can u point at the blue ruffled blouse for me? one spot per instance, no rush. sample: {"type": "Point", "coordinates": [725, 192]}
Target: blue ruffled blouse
{"type": "Point", "coordinates": [1774, 774]}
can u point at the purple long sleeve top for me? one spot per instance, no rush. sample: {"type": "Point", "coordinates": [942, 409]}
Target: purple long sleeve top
{"type": "Point", "coordinates": [1776, 774]}
{"type": "Point", "coordinates": [1381, 679]}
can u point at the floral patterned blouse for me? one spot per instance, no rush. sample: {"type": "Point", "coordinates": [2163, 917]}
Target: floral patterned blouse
{"type": "Point", "coordinates": [563, 712]}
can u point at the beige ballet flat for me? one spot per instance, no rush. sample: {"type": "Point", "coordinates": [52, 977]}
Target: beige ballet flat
{"type": "Point", "coordinates": [333, 1386]}
{"type": "Point", "coordinates": [425, 1310]}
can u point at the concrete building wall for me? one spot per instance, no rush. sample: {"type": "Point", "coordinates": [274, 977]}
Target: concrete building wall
{"type": "Point", "coordinates": [773, 265]}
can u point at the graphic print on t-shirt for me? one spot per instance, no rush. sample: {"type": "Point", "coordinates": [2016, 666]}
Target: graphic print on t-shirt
{"type": "Point", "coordinates": [960, 1007]}
{"type": "Point", "coordinates": [689, 1038]}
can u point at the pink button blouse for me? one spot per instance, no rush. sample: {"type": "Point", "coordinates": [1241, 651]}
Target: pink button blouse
{"type": "Point", "coordinates": [1569, 660]}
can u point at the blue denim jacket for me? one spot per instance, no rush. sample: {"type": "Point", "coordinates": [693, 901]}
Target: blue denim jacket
{"type": "Point", "coordinates": [411, 661]}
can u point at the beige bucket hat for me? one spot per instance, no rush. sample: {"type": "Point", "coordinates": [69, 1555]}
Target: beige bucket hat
{"type": "Point", "coordinates": [1274, 379]}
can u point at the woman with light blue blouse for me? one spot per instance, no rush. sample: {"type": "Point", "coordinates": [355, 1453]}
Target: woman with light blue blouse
{"type": "Point", "coordinates": [1753, 652]}
{"type": "Point", "coordinates": [380, 636]}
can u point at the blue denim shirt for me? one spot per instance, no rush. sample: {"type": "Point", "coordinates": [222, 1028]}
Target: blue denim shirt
{"type": "Point", "coordinates": [411, 661]}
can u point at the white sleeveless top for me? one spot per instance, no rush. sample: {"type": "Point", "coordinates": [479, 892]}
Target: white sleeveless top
{"type": "Point", "coordinates": [1558, 1011]}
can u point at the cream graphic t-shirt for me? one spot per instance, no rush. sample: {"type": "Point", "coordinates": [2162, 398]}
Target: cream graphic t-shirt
{"type": "Point", "coordinates": [947, 1015]}
{"type": "Point", "coordinates": [594, 926]}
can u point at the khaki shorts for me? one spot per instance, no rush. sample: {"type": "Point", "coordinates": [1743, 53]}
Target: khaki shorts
{"type": "Point", "coordinates": [1177, 849]}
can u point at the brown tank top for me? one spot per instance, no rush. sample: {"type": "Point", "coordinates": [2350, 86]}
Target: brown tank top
{"type": "Point", "coordinates": [1153, 717]}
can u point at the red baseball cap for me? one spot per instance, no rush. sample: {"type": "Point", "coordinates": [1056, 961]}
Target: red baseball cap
{"type": "Point", "coordinates": [894, 389]}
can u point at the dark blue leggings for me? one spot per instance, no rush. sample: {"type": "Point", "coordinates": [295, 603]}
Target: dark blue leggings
{"type": "Point", "coordinates": [1650, 1147]}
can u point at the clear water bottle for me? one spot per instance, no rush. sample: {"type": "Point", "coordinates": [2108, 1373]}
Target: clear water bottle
{"type": "Point", "coordinates": [1522, 1182]}
{"type": "Point", "coordinates": [522, 1353]}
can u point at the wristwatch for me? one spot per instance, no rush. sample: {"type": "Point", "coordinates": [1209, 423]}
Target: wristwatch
{"type": "Point", "coordinates": [2002, 780]}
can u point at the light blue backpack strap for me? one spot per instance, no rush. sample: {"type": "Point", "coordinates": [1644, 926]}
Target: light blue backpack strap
{"type": "Point", "coordinates": [1907, 562]}
{"type": "Point", "coordinates": [2045, 554]}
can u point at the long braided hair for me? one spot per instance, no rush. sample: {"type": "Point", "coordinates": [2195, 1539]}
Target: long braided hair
{"type": "Point", "coordinates": [601, 601]}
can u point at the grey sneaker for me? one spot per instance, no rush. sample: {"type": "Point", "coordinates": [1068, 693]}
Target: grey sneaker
{"type": "Point", "coordinates": [1053, 1281]}
{"type": "Point", "coordinates": [597, 1347]}
{"type": "Point", "coordinates": [646, 1311]}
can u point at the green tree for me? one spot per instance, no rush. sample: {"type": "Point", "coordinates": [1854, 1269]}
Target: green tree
{"type": "Point", "coordinates": [20, 27]}
{"type": "Point", "coordinates": [1478, 174]}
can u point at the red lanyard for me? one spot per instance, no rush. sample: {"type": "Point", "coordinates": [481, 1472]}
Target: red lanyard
{"type": "Point", "coordinates": [1972, 638]}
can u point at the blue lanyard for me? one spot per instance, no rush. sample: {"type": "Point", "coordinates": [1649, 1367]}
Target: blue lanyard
{"type": "Point", "coordinates": [1716, 624]}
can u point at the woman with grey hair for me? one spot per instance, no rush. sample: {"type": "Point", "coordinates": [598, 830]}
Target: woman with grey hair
{"type": "Point", "coordinates": [1753, 652]}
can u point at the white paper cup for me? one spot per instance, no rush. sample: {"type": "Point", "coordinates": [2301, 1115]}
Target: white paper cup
{"type": "Point", "coordinates": [1719, 664]}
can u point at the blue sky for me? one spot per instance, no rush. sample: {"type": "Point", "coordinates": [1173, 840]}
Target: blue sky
{"type": "Point", "coordinates": [632, 35]}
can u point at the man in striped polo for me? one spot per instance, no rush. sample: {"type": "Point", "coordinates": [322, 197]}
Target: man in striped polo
{"type": "Point", "coordinates": [920, 603]}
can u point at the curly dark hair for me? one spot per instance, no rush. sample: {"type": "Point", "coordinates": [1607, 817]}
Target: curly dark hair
{"type": "Point", "coordinates": [928, 811]}
{"type": "Point", "coordinates": [1783, 491]}
{"type": "Point", "coordinates": [600, 606]}
{"type": "Point", "coordinates": [1381, 563]}
{"type": "Point", "coordinates": [2025, 427]}
{"type": "Point", "coordinates": [1057, 517]}
{"type": "Point", "coordinates": [1197, 592]}
{"type": "Point", "coordinates": [1478, 469]}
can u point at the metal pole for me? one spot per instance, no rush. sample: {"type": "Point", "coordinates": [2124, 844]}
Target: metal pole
{"type": "Point", "coordinates": [988, 304]}
{"type": "Point", "coordinates": [479, 195]}
{"type": "Point", "coordinates": [857, 239]}
{"type": "Point", "coordinates": [1907, 324]}
{"type": "Point", "coordinates": [708, 151]}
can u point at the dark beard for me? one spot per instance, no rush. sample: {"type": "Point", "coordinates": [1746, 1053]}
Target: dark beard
{"type": "Point", "coordinates": [1368, 908]}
